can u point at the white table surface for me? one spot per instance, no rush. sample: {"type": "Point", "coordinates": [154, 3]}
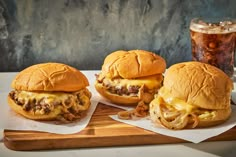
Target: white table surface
{"type": "Point", "coordinates": [204, 149]}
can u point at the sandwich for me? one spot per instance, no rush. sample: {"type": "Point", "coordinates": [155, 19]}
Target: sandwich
{"type": "Point", "coordinates": [50, 91]}
{"type": "Point", "coordinates": [130, 77]}
{"type": "Point", "coordinates": [193, 95]}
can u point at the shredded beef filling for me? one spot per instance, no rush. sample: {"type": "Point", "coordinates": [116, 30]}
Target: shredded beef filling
{"type": "Point", "coordinates": [127, 90]}
{"type": "Point", "coordinates": [70, 111]}
{"type": "Point", "coordinates": [123, 90]}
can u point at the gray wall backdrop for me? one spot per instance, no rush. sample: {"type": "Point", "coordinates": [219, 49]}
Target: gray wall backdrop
{"type": "Point", "coordinates": [82, 32]}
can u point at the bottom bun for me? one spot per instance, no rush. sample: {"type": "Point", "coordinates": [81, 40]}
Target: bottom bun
{"type": "Point", "coordinates": [30, 114]}
{"type": "Point", "coordinates": [118, 99]}
{"type": "Point", "coordinates": [220, 117]}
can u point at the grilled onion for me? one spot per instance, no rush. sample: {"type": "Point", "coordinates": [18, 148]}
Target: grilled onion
{"type": "Point", "coordinates": [195, 120]}
{"type": "Point", "coordinates": [179, 122]}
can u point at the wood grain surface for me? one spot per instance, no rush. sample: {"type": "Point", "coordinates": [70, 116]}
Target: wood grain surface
{"type": "Point", "coordinates": [102, 131]}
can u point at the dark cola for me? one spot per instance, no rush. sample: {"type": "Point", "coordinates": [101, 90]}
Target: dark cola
{"type": "Point", "coordinates": [214, 44]}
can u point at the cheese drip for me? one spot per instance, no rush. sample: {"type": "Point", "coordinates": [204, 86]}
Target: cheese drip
{"type": "Point", "coordinates": [78, 101]}
{"type": "Point", "coordinates": [151, 82]}
{"type": "Point", "coordinates": [176, 104]}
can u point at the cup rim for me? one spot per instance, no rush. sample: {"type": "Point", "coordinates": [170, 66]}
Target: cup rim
{"type": "Point", "coordinates": [210, 24]}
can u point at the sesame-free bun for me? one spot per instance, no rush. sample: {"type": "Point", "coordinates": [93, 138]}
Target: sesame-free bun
{"type": "Point", "coordinates": [133, 64]}
{"type": "Point", "coordinates": [137, 68]}
{"type": "Point", "coordinates": [197, 94]}
{"type": "Point", "coordinates": [50, 91]}
{"type": "Point", "coordinates": [220, 117]}
{"type": "Point", "coordinates": [50, 77]}
{"type": "Point", "coordinates": [199, 84]}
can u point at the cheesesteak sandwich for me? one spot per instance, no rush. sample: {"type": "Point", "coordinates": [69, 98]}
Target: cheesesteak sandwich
{"type": "Point", "coordinates": [130, 77]}
{"type": "Point", "coordinates": [50, 91]}
{"type": "Point", "coordinates": [193, 95]}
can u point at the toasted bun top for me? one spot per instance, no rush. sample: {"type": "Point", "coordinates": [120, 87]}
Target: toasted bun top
{"type": "Point", "coordinates": [199, 84]}
{"type": "Point", "coordinates": [132, 64]}
{"type": "Point", "coordinates": [50, 77]}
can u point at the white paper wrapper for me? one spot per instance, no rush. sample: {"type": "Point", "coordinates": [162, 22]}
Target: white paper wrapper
{"type": "Point", "coordinates": [192, 135]}
{"type": "Point", "coordinates": [12, 121]}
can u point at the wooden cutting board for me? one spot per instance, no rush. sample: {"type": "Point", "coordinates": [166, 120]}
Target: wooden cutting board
{"type": "Point", "coordinates": [101, 131]}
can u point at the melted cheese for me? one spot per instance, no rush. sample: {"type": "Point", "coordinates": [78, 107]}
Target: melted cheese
{"type": "Point", "coordinates": [207, 114]}
{"type": "Point", "coordinates": [175, 102]}
{"type": "Point", "coordinates": [151, 82]}
{"type": "Point", "coordinates": [56, 98]}
{"type": "Point", "coordinates": [48, 96]}
{"type": "Point", "coordinates": [178, 104]}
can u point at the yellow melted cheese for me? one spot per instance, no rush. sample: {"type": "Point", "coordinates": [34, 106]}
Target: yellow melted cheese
{"type": "Point", "coordinates": [48, 96]}
{"type": "Point", "coordinates": [151, 82]}
{"type": "Point", "coordinates": [178, 104]}
{"type": "Point", "coordinates": [53, 98]}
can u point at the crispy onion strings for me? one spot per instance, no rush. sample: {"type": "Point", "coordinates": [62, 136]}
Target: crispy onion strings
{"type": "Point", "coordinates": [195, 120]}
{"type": "Point", "coordinates": [126, 115]}
{"type": "Point", "coordinates": [169, 116]}
{"type": "Point", "coordinates": [179, 122]}
{"type": "Point", "coordinates": [141, 110]}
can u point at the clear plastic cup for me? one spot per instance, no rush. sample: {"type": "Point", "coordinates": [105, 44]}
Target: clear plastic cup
{"type": "Point", "coordinates": [214, 42]}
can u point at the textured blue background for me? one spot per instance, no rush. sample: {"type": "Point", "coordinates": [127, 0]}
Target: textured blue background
{"type": "Point", "coordinates": [81, 33]}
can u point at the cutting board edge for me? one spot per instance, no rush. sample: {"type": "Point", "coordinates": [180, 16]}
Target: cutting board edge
{"type": "Point", "coordinates": [107, 141]}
